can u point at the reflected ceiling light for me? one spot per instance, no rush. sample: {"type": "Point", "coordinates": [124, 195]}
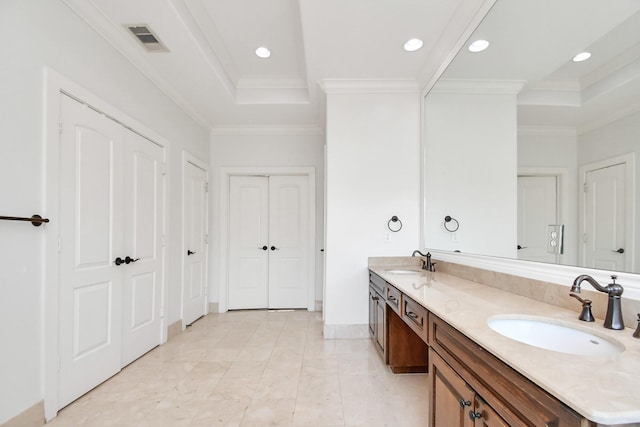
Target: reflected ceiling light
{"type": "Point", "coordinates": [583, 56]}
{"type": "Point", "coordinates": [413, 45]}
{"type": "Point", "coordinates": [263, 52]}
{"type": "Point", "coordinates": [478, 46]}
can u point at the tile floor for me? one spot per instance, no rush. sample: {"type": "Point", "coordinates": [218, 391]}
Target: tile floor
{"type": "Point", "coordinates": [255, 368]}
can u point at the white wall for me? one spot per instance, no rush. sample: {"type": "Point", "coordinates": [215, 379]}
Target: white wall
{"type": "Point", "coordinates": [373, 173]}
{"type": "Point", "coordinates": [46, 33]}
{"type": "Point", "coordinates": [558, 150]}
{"type": "Point", "coordinates": [267, 148]}
{"type": "Point", "coordinates": [470, 142]}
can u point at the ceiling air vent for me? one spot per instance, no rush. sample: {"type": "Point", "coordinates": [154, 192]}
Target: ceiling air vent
{"type": "Point", "coordinates": [149, 40]}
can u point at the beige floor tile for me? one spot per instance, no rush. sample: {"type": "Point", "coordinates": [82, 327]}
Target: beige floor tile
{"type": "Point", "coordinates": [255, 368]}
{"type": "Point", "coordinates": [269, 412]}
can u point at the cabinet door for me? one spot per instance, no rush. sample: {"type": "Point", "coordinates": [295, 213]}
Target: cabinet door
{"type": "Point", "coordinates": [450, 399]}
{"type": "Point", "coordinates": [485, 416]}
{"type": "Point", "coordinates": [372, 312]}
{"type": "Point", "coordinates": [380, 323]}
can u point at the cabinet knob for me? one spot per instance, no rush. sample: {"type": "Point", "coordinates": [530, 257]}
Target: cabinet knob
{"type": "Point", "coordinates": [475, 415]}
{"type": "Point", "coordinates": [464, 403]}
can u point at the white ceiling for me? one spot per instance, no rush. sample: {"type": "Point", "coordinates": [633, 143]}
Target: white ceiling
{"type": "Point", "coordinates": [533, 42]}
{"type": "Point", "coordinates": [211, 70]}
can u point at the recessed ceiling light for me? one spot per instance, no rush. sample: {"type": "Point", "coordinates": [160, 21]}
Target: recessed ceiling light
{"type": "Point", "coordinates": [478, 46]}
{"type": "Point", "coordinates": [413, 45]}
{"type": "Point", "coordinates": [583, 56]}
{"type": "Point", "coordinates": [263, 52]}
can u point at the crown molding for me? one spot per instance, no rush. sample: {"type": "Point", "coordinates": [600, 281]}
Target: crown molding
{"type": "Point", "coordinates": [480, 86]}
{"type": "Point", "coordinates": [547, 131]}
{"type": "Point", "coordinates": [268, 130]}
{"type": "Point", "coordinates": [331, 86]}
{"type": "Point", "coordinates": [112, 33]}
{"type": "Point", "coordinates": [609, 118]}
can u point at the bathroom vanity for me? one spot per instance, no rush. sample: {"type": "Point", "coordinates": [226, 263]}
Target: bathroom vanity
{"type": "Point", "coordinates": [485, 378]}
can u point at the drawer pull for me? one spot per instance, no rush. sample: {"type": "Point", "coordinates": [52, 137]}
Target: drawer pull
{"type": "Point", "coordinates": [412, 315]}
{"type": "Point", "coordinates": [464, 403]}
{"type": "Point", "coordinates": [475, 415]}
{"type": "Point", "coordinates": [375, 298]}
{"type": "Point", "coordinates": [392, 298]}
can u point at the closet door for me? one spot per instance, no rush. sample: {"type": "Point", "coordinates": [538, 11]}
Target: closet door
{"type": "Point", "coordinates": [195, 226]}
{"type": "Point", "coordinates": [91, 238]}
{"type": "Point", "coordinates": [248, 242]}
{"type": "Point", "coordinates": [288, 241]}
{"type": "Point", "coordinates": [143, 229]}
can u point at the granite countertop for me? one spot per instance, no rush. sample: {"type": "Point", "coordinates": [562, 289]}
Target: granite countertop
{"type": "Point", "coordinates": [604, 389]}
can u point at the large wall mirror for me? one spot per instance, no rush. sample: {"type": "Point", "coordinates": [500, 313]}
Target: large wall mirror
{"type": "Point", "coordinates": [535, 155]}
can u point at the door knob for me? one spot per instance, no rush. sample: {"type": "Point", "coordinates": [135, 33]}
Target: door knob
{"type": "Point", "coordinates": [264, 248]}
{"type": "Point", "coordinates": [190, 252]}
{"type": "Point", "coordinates": [273, 248]}
{"type": "Point", "coordinates": [128, 260]}
{"type": "Point", "coordinates": [620, 251]}
{"type": "Point", "coordinates": [118, 261]}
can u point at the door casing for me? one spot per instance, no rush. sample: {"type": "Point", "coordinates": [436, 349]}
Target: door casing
{"type": "Point", "coordinates": [225, 174]}
{"type": "Point", "coordinates": [54, 85]}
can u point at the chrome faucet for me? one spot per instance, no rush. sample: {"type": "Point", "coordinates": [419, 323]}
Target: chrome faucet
{"type": "Point", "coordinates": [613, 318]}
{"type": "Point", "coordinates": [428, 264]}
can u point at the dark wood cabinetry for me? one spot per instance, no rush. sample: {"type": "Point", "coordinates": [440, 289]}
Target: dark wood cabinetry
{"type": "Point", "coordinates": [487, 391]}
{"type": "Point", "coordinates": [378, 314]}
{"type": "Point", "coordinates": [393, 327]}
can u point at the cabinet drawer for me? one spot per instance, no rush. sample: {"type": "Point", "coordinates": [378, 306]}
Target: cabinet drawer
{"type": "Point", "coordinates": [415, 316]}
{"type": "Point", "coordinates": [378, 283]}
{"type": "Point", "coordinates": [393, 297]}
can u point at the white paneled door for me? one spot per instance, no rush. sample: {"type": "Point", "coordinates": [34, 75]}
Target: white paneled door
{"type": "Point", "coordinates": [110, 209]}
{"type": "Point", "coordinates": [195, 229]}
{"type": "Point", "coordinates": [143, 230]}
{"type": "Point", "coordinates": [537, 211]}
{"type": "Point", "coordinates": [605, 239]}
{"type": "Point", "coordinates": [268, 242]}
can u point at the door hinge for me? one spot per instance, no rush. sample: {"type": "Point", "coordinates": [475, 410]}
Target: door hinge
{"type": "Point", "coordinates": [59, 243]}
{"type": "Point", "coordinates": [206, 187]}
{"type": "Point", "coordinates": [585, 187]}
{"type": "Point", "coordinates": [585, 238]}
{"type": "Point", "coordinates": [206, 239]}
{"type": "Point", "coordinates": [164, 169]}
{"type": "Point", "coordinates": [59, 363]}
{"type": "Point", "coordinates": [60, 127]}
{"type": "Point", "coordinates": [163, 240]}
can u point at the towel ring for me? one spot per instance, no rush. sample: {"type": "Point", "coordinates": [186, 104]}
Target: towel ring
{"type": "Point", "coordinates": [395, 228]}
{"type": "Point", "coordinates": [448, 219]}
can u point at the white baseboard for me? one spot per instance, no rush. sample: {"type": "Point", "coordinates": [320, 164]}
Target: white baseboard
{"type": "Point", "coordinates": [339, 332]}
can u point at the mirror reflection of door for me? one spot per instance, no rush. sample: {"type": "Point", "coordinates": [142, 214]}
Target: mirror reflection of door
{"type": "Point", "coordinates": [605, 237]}
{"type": "Point", "coordinates": [537, 211]}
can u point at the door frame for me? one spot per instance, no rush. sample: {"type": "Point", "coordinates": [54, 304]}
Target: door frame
{"type": "Point", "coordinates": [188, 158]}
{"type": "Point", "coordinates": [54, 86]}
{"type": "Point", "coordinates": [630, 232]}
{"type": "Point", "coordinates": [225, 174]}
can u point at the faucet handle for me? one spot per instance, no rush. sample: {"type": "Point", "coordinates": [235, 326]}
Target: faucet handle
{"type": "Point", "coordinates": [585, 315]}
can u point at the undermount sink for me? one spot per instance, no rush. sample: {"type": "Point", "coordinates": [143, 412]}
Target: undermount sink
{"type": "Point", "coordinates": [403, 271]}
{"type": "Point", "coordinates": [550, 335]}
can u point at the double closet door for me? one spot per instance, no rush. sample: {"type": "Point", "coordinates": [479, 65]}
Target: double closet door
{"type": "Point", "coordinates": [111, 261]}
{"type": "Point", "coordinates": [268, 242]}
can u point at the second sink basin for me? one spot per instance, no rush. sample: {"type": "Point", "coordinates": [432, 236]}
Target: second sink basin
{"type": "Point", "coordinates": [547, 334]}
{"type": "Point", "coordinates": [403, 271]}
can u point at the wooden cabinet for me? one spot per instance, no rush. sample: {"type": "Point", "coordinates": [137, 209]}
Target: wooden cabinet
{"type": "Point", "coordinates": [454, 403]}
{"type": "Point", "coordinates": [378, 314]}
{"type": "Point", "coordinates": [487, 391]}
